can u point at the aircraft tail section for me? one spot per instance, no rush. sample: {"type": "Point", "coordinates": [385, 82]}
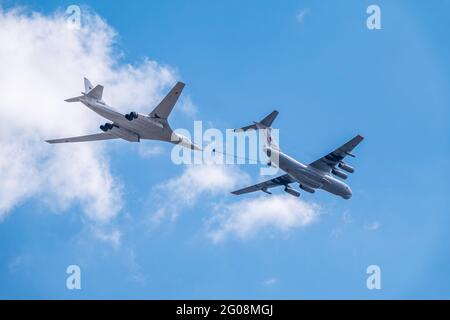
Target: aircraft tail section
{"type": "Point", "coordinates": [87, 85]}
{"type": "Point", "coordinates": [89, 91]}
{"type": "Point", "coordinates": [263, 124]}
{"type": "Point", "coordinates": [269, 140]}
{"type": "Point", "coordinates": [266, 126]}
{"type": "Point", "coordinates": [267, 121]}
{"type": "Point", "coordinates": [96, 93]}
{"type": "Point", "coordinates": [76, 99]}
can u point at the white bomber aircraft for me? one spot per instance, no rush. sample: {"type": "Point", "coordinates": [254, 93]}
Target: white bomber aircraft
{"type": "Point", "coordinates": [319, 174]}
{"type": "Point", "coordinates": [133, 126]}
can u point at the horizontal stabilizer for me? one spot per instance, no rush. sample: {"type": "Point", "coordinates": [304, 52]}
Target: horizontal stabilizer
{"type": "Point", "coordinates": [250, 127]}
{"type": "Point", "coordinates": [76, 99]}
{"type": "Point", "coordinates": [90, 91]}
{"type": "Point", "coordinates": [264, 123]}
{"type": "Point", "coordinates": [96, 93]}
{"type": "Point", "coordinates": [267, 121]}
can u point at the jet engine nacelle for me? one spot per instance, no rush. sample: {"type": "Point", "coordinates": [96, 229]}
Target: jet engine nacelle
{"type": "Point", "coordinates": [339, 174]}
{"type": "Point", "coordinates": [292, 192]}
{"type": "Point", "coordinates": [307, 188]}
{"type": "Point", "coordinates": [346, 167]}
{"type": "Point", "coordinates": [131, 116]}
{"type": "Point", "coordinates": [106, 127]}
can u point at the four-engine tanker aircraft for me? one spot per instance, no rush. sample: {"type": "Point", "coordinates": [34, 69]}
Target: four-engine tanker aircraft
{"type": "Point", "coordinates": [316, 175]}
{"type": "Point", "coordinates": [133, 126]}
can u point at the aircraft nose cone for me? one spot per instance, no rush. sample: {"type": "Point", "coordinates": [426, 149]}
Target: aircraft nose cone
{"type": "Point", "coordinates": [196, 147]}
{"type": "Point", "coordinates": [185, 142]}
{"type": "Point", "coordinates": [348, 194]}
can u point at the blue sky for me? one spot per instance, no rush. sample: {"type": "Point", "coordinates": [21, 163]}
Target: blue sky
{"type": "Point", "coordinates": [330, 78]}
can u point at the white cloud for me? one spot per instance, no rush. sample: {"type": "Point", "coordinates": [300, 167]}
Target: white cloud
{"type": "Point", "coordinates": [18, 262]}
{"type": "Point", "coordinates": [338, 230]}
{"type": "Point", "coordinates": [249, 217]}
{"type": "Point", "coordinates": [112, 237]}
{"type": "Point", "coordinates": [198, 179]}
{"type": "Point", "coordinates": [300, 16]}
{"type": "Point", "coordinates": [136, 273]}
{"type": "Point", "coordinates": [43, 62]}
{"type": "Point", "coordinates": [347, 218]}
{"type": "Point", "coordinates": [270, 282]}
{"type": "Point", "coordinates": [187, 106]}
{"type": "Point", "coordinates": [374, 226]}
{"type": "Point", "coordinates": [242, 218]}
{"type": "Point", "coordinates": [195, 181]}
{"type": "Point", "coordinates": [150, 151]}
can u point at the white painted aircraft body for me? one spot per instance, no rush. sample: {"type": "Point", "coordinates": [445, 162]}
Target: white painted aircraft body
{"type": "Point", "coordinates": [132, 127]}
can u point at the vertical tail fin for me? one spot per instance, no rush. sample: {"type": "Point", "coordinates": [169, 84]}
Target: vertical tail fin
{"type": "Point", "coordinates": [269, 140]}
{"type": "Point", "coordinates": [96, 93]}
{"type": "Point", "coordinates": [266, 124]}
{"type": "Point", "coordinates": [87, 85]}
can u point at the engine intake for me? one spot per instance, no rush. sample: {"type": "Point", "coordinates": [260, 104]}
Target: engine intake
{"type": "Point", "coordinates": [106, 127]}
{"type": "Point", "coordinates": [131, 116]}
